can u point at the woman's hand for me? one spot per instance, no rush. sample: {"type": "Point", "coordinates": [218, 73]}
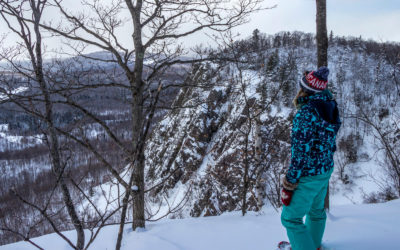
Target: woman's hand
{"type": "Point", "coordinates": [286, 196]}
{"type": "Point", "coordinates": [287, 191]}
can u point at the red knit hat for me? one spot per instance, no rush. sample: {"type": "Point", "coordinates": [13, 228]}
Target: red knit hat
{"type": "Point", "coordinates": [315, 81]}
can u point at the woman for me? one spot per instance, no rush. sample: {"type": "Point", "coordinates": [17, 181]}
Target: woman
{"type": "Point", "coordinates": [313, 144]}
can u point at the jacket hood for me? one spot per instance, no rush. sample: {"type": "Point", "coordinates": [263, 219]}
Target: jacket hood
{"type": "Point", "coordinates": [325, 106]}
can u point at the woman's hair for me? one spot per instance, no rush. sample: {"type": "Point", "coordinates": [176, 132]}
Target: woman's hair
{"type": "Point", "coordinates": [301, 93]}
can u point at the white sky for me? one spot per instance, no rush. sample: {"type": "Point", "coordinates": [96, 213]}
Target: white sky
{"type": "Point", "coordinates": [376, 19]}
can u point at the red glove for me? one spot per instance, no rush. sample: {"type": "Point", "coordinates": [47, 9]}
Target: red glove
{"type": "Point", "coordinates": [287, 191]}
{"type": "Point", "coordinates": [286, 196]}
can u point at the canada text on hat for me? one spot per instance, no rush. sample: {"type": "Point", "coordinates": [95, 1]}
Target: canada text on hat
{"type": "Point", "coordinates": [316, 83]}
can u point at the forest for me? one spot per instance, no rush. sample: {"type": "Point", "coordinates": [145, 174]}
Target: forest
{"type": "Point", "coordinates": [127, 135]}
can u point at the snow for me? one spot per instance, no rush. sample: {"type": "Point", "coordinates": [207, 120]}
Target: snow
{"type": "Point", "coordinates": [3, 127]}
{"type": "Point", "coordinates": [18, 90]}
{"type": "Point", "coordinates": [22, 141]}
{"type": "Point", "coordinates": [349, 227]}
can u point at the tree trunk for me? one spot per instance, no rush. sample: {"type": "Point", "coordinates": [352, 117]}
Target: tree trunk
{"type": "Point", "coordinates": [246, 166]}
{"type": "Point", "coordinates": [58, 168]}
{"type": "Point", "coordinates": [322, 48]}
{"type": "Point", "coordinates": [138, 196]}
{"type": "Point", "coordinates": [123, 215]}
{"type": "Point", "coordinates": [260, 180]}
{"type": "Point", "coordinates": [52, 134]}
{"type": "Point", "coordinates": [322, 34]}
{"type": "Point", "coordinates": [137, 116]}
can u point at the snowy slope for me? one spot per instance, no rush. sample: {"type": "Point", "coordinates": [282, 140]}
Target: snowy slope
{"type": "Point", "coordinates": [350, 227]}
{"type": "Point", "coordinates": [203, 145]}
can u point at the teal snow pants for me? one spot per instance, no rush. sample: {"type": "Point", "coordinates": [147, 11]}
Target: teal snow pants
{"type": "Point", "coordinates": [308, 200]}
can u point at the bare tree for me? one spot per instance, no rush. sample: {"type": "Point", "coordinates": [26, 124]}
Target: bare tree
{"type": "Point", "coordinates": [322, 34]}
{"type": "Point", "coordinates": [386, 133]}
{"type": "Point", "coordinates": [42, 86]}
{"type": "Point", "coordinates": [27, 28]}
{"type": "Point", "coordinates": [322, 50]}
{"type": "Point", "coordinates": [157, 26]}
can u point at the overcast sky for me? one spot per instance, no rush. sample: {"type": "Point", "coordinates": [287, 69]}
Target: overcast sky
{"type": "Point", "coordinates": [376, 19]}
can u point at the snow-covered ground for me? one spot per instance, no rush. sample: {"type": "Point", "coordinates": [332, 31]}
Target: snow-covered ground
{"type": "Point", "coordinates": [349, 227]}
{"type": "Point", "coordinates": [18, 90]}
{"type": "Point", "coordinates": [18, 141]}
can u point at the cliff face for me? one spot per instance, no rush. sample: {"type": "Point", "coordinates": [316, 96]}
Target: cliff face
{"type": "Point", "coordinates": [213, 134]}
{"type": "Point", "coordinates": [227, 140]}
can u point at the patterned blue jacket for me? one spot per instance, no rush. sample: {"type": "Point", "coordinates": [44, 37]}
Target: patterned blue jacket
{"type": "Point", "coordinates": [313, 136]}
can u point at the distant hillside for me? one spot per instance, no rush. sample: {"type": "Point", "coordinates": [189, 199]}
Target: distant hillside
{"type": "Point", "coordinates": [221, 137]}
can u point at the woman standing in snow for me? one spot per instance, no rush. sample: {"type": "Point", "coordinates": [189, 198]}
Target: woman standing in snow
{"type": "Point", "coordinates": [313, 144]}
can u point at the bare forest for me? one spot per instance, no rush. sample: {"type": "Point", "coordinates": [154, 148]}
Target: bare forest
{"type": "Point", "coordinates": [150, 130]}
